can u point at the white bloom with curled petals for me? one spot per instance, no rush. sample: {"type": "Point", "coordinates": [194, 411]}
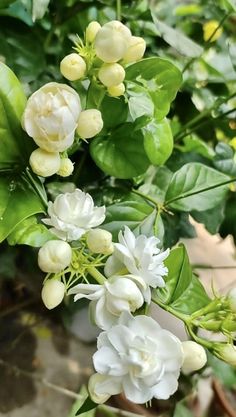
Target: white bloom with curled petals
{"type": "Point", "coordinates": [51, 116]}
{"type": "Point", "coordinates": [72, 214]}
{"type": "Point", "coordinates": [136, 357]}
{"type": "Point", "coordinates": [140, 257]}
{"type": "Point", "coordinates": [117, 294]}
{"type": "Point", "coordinates": [112, 41]}
{"type": "Point", "coordinates": [194, 356]}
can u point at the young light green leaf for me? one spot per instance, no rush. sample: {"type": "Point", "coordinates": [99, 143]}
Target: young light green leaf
{"type": "Point", "coordinates": [121, 154]}
{"type": "Point", "coordinates": [30, 232]}
{"type": "Point", "coordinates": [152, 84]}
{"type": "Point", "coordinates": [158, 141]}
{"type": "Point", "coordinates": [196, 187]}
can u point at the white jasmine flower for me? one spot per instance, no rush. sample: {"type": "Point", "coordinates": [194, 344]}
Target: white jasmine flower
{"type": "Point", "coordinates": [140, 257]}
{"type": "Point", "coordinates": [135, 50]}
{"type": "Point", "coordinates": [73, 67]}
{"type": "Point", "coordinates": [194, 356]}
{"type": "Point", "coordinates": [51, 116]}
{"type": "Point", "coordinates": [44, 163]}
{"type": "Point", "coordinates": [117, 294]}
{"type": "Point", "coordinates": [53, 293]}
{"type": "Point", "coordinates": [99, 241]}
{"type": "Point", "coordinates": [66, 167]}
{"type": "Point", "coordinates": [116, 90]}
{"type": "Point", "coordinates": [90, 123]}
{"type": "Point", "coordinates": [91, 31]}
{"type": "Point", "coordinates": [72, 214]}
{"type": "Point", "coordinates": [136, 357]}
{"type": "Point", "coordinates": [111, 74]}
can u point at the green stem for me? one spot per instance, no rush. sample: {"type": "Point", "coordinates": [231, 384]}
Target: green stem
{"type": "Point", "coordinates": [206, 343]}
{"type": "Point", "coordinates": [184, 317]}
{"type": "Point", "coordinates": [199, 191]}
{"type": "Point", "coordinates": [118, 9]}
{"type": "Point", "coordinates": [146, 197]}
{"type": "Point", "coordinates": [96, 274]}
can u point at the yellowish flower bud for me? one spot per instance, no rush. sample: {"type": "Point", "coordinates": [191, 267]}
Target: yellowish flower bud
{"type": "Point", "coordinates": [112, 41]}
{"type": "Point", "coordinates": [66, 167]}
{"type": "Point", "coordinates": [90, 123]}
{"type": "Point", "coordinates": [96, 394]}
{"type": "Point", "coordinates": [52, 293]}
{"type": "Point", "coordinates": [116, 90]}
{"type": "Point", "coordinates": [100, 241]}
{"type": "Point", "coordinates": [73, 67]}
{"type": "Point", "coordinates": [44, 163]}
{"type": "Point", "coordinates": [135, 50]}
{"type": "Point", "coordinates": [54, 256]}
{"type": "Point", "coordinates": [194, 356]}
{"type": "Point", "coordinates": [91, 31]}
{"type": "Point", "coordinates": [111, 74]}
{"type": "Point", "coordinates": [208, 30]}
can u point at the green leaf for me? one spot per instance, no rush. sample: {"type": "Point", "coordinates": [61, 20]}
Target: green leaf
{"type": "Point", "coordinates": [5, 3]}
{"type": "Point", "coordinates": [194, 144]}
{"type": "Point", "coordinates": [15, 147]}
{"type": "Point", "coordinates": [156, 182]}
{"type": "Point", "coordinates": [224, 159]}
{"type": "Point", "coordinates": [183, 292]}
{"type": "Point", "coordinates": [17, 202]}
{"type": "Point", "coordinates": [121, 154]}
{"type": "Point", "coordinates": [152, 85]}
{"type": "Point", "coordinates": [86, 406]}
{"type": "Point", "coordinates": [177, 40]}
{"type": "Point", "coordinates": [158, 141]}
{"type": "Point", "coordinates": [196, 187]}
{"type": "Point", "coordinates": [30, 232]}
{"type": "Point", "coordinates": [137, 215]}
{"type": "Point", "coordinates": [114, 111]}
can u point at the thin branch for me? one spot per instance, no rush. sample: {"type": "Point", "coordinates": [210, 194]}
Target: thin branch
{"type": "Point", "coordinates": [222, 399]}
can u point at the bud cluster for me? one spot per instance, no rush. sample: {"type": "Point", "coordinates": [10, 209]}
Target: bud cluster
{"type": "Point", "coordinates": [104, 53]}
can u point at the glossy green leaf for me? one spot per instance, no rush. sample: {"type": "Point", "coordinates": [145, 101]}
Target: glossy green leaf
{"type": "Point", "coordinates": [14, 145]}
{"type": "Point", "coordinates": [156, 182]}
{"type": "Point", "coordinates": [196, 187]}
{"type": "Point", "coordinates": [114, 111]}
{"type": "Point", "coordinates": [30, 232]}
{"type": "Point", "coordinates": [158, 141]}
{"type": "Point", "coordinates": [194, 144]}
{"type": "Point", "coordinates": [137, 215]}
{"type": "Point", "coordinates": [224, 159]}
{"type": "Point", "coordinates": [121, 154]}
{"type": "Point", "coordinates": [152, 84]}
{"type": "Point", "coordinates": [17, 202]}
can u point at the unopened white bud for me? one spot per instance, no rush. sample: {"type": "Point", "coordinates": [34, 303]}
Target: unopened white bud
{"type": "Point", "coordinates": [194, 356]}
{"type": "Point", "coordinates": [226, 352]}
{"type": "Point", "coordinates": [54, 256]}
{"type": "Point", "coordinates": [100, 241]}
{"type": "Point", "coordinates": [232, 299]}
{"type": "Point", "coordinates": [97, 395]}
{"type": "Point", "coordinates": [90, 123]}
{"type": "Point", "coordinates": [44, 163]}
{"type": "Point", "coordinates": [111, 74]}
{"type": "Point", "coordinates": [66, 167]}
{"type": "Point", "coordinates": [112, 41]}
{"type": "Point", "coordinates": [135, 50]}
{"type": "Point", "coordinates": [73, 67]}
{"type": "Point", "coordinates": [91, 31]}
{"type": "Point", "coordinates": [116, 90]}
{"type": "Point", "coordinates": [52, 293]}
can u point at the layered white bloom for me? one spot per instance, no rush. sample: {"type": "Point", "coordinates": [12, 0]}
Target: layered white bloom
{"type": "Point", "coordinates": [54, 256]}
{"type": "Point", "coordinates": [91, 31]}
{"type": "Point", "coordinates": [117, 294]}
{"type": "Point", "coordinates": [194, 356]}
{"type": "Point", "coordinates": [135, 50]}
{"type": "Point", "coordinates": [140, 257]}
{"type": "Point", "coordinates": [72, 214]}
{"type": "Point", "coordinates": [136, 357]}
{"type": "Point", "coordinates": [116, 90]}
{"type": "Point", "coordinates": [232, 299]}
{"type": "Point", "coordinates": [66, 167]}
{"type": "Point", "coordinates": [73, 67]}
{"type": "Point", "coordinates": [111, 74]}
{"type": "Point", "coordinates": [51, 116]}
{"type": "Point", "coordinates": [44, 163]}
{"type": "Point", "coordinates": [112, 41]}
{"type": "Point", "coordinates": [100, 241]}
{"type": "Point", "coordinates": [52, 293]}
{"type": "Point", "coordinates": [90, 123]}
